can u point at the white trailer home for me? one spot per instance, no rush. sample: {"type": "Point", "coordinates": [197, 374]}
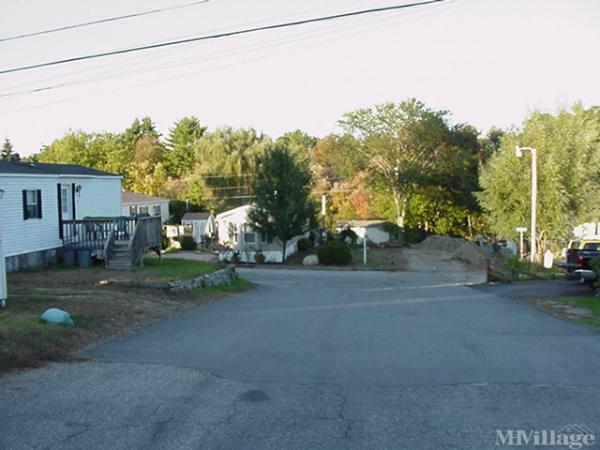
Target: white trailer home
{"type": "Point", "coordinates": [372, 230]}
{"type": "Point", "coordinates": [235, 232]}
{"type": "Point", "coordinates": [133, 204]}
{"type": "Point", "coordinates": [43, 204]}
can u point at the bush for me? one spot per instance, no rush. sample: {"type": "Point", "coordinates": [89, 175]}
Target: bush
{"type": "Point", "coordinates": [304, 245]}
{"type": "Point", "coordinates": [165, 242]}
{"type": "Point", "coordinates": [392, 229]}
{"type": "Point", "coordinates": [414, 235]}
{"type": "Point", "coordinates": [188, 243]}
{"type": "Point", "coordinates": [335, 253]}
{"type": "Point", "coordinates": [348, 236]}
{"type": "Point", "coordinates": [259, 257]}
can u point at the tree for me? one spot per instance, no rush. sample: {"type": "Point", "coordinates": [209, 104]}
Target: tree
{"type": "Point", "coordinates": [226, 162]}
{"type": "Point", "coordinates": [180, 146]}
{"type": "Point", "coordinates": [281, 189]}
{"type": "Point", "coordinates": [568, 147]}
{"type": "Point", "coordinates": [298, 143]}
{"type": "Point", "coordinates": [402, 143]}
{"type": "Point", "coordinates": [7, 153]}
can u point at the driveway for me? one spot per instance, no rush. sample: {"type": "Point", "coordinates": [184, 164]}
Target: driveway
{"type": "Point", "coordinates": [318, 359]}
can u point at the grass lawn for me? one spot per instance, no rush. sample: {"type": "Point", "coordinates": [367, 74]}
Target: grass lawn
{"type": "Point", "coordinates": [584, 310]}
{"type": "Point", "coordinates": [98, 310]}
{"type": "Point", "coordinates": [172, 269]}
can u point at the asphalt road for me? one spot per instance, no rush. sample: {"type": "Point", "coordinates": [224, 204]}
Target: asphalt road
{"type": "Point", "coordinates": [320, 359]}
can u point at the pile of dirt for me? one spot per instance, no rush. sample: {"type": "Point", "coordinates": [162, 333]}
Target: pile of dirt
{"type": "Point", "coordinates": [458, 248]}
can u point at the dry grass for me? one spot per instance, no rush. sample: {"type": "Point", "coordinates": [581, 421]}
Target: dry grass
{"type": "Point", "coordinates": [99, 310]}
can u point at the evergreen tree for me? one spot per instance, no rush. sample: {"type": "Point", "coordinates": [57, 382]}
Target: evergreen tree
{"type": "Point", "coordinates": [281, 188]}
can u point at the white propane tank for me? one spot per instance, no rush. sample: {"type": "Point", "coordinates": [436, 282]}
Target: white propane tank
{"type": "Point", "coordinates": [548, 259]}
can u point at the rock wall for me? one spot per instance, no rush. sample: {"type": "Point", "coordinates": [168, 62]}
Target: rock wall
{"type": "Point", "coordinates": [217, 278]}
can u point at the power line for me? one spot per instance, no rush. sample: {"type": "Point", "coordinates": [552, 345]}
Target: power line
{"type": "Point", "coordinates": [220, 35]}
{"type": "Point", "coordinates": [99, 21]}
{"type": "Point", "coordinates": [113, 73]}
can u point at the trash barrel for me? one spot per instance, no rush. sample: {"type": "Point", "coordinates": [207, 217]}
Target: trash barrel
{"type": "Point", "coordinates": [68, 257]}
{"type": "Point", "coordinates": [84, 257]}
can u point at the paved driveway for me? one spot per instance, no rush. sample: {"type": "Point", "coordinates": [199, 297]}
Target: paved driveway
{"type": "Point", "coordinates": [318, 359]}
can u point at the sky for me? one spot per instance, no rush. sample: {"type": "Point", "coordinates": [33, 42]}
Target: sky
{"type": "Point", "coordinates": [488, 62]}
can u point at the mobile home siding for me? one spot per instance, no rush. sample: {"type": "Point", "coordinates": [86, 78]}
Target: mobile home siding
{"type": "Point", "coordinates": [25, 236]}
{"type": "Point", "coordinates": [99, 196]}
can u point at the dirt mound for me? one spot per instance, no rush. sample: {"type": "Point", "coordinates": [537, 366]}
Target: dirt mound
{"type": "Point", "coordinates": [470, 253]}
{"type": "Point", "coordinates": [444, 243]}
{"type": "Point", "coordinates": [458, 248]}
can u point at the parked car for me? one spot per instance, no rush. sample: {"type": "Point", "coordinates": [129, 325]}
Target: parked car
{"type": "Point", "coordinates": [578, 258]}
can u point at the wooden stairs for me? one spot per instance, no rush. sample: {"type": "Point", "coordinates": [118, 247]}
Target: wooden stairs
{"type": "Point", "coordinates": [119, 256]}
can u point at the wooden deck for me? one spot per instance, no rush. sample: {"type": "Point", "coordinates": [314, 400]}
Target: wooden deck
{"type": "Point", "coordinates": [120, 241]}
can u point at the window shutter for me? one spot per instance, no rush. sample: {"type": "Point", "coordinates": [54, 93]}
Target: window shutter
{"type": "Point", "coordinates": [39, 203]}
{"type": "Point", "coordinates": [25, 205]}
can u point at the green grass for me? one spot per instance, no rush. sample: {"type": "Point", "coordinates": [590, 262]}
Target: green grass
{"type": "Point", "coordinates": [357, 258]}
{"type": "Point", "coordinates": [592, 304]}
{"type": "Point", "coordinates": [27, 341]}
{"type": "Point", "coordinates": [171, 269]}
{"type": "Point", "coordinates": [237, 285]}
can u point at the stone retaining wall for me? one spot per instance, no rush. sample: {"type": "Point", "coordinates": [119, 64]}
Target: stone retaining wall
{"type": "Point", "coordinates": [216, 278]}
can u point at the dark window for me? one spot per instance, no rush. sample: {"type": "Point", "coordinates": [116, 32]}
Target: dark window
{"type": "Point", "coordinates": [156, 210]}
{"type": "Point", "coordinates": [32, 204]}
{"type": "Point", "coordinates": [132, 210]}
{"type": "Point", "coordinates": [592, 246]}
{"type": "Point", "coordinates": [264, 237]}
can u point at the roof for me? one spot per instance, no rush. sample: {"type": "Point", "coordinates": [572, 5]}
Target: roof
{"type": "Point", "coordinates": [234, 211]}
{"type": "Point", "coordinates": [36, 168]}
{"type": "Point", "coordinates": [196, 216]}
{"type": "Point", "coordinates": [134, 197]}
{"type": "Point", "coordinates": [359, 223]}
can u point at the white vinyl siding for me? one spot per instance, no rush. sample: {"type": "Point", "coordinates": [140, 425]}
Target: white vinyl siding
{"type": "Point", "coordinates": [153, 208]}
{"type": "Point", "coordinates": [100, 196]}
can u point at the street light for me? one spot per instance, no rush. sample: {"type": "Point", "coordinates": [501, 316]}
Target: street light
{"type": "Point", "coordinates": [519, 153]}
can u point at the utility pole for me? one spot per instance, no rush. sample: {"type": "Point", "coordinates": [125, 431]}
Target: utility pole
{"type": "Point", "coordinates": [519, 153]}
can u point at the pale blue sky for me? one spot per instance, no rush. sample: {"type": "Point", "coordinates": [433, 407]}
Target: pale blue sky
{"type": "Point", "coordinates": [487, 61]}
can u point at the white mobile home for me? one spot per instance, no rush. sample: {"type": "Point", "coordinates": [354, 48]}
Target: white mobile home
{"type": "Point", "coordinates": [199, 223]}
{"type": "Point", "coordinates": [133, 204]}
{"type": "Point", "coordinates": [39, 199]}
{"type": "Point", "coordinates": [234, 231]}
{"type": "Point", "coordinates": [372, 230]}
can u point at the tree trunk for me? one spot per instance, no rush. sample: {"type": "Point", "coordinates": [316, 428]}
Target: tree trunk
{"type": "Point", "coordinates": [400, 203]}
{"type": "Point", "coordinates": [283, 252]}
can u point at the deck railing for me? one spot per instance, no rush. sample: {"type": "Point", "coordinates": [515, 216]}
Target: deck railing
{"type": "Point", "coordinates": [147, 235]}
{"type": "Point", "coordinates": [93, 233]}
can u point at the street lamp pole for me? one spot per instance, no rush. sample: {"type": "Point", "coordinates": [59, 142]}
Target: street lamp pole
{"type": "Point", "coordinates": [519, 153]}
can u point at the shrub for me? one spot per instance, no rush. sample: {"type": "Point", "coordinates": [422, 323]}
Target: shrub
{"type": "Point", "coordinates": [188, 243]}
{"type": "Point", "coordinates": [392, 229]}
{"type": "Point", "coordinates": [348, 236]}
{"type": "Point", "coordinates": [335, 253]}
{"type": "Point", "coordinates": [414, 235]}
{"type": "Point", "coordinates": [165, 242]}
{"type": "Point", "coordinates": [259, 257]}
{"type": "Point", "coordinates": [304, 244]}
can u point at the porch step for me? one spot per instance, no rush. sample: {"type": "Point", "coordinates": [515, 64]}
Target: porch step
{"type": "Point", "coordinates": [119, 257]}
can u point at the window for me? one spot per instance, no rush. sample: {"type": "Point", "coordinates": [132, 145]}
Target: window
{"type": "Point", "coordinates": [32, 204]}
{"type": "Point", "coordinates": [232, 231]}
{"type": "Point", "coordinates": [143, 210]}
{"type": "Point", "coordinates": [264, 237]}
{"type": "Point", "coordinates": [249, 237]}
{"type": "Point", "coordinates": [64, 200]}
{"type": "Point", "coordinates": [132, 210]}
{"type": "Point", "coordinates": [156, 210]}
